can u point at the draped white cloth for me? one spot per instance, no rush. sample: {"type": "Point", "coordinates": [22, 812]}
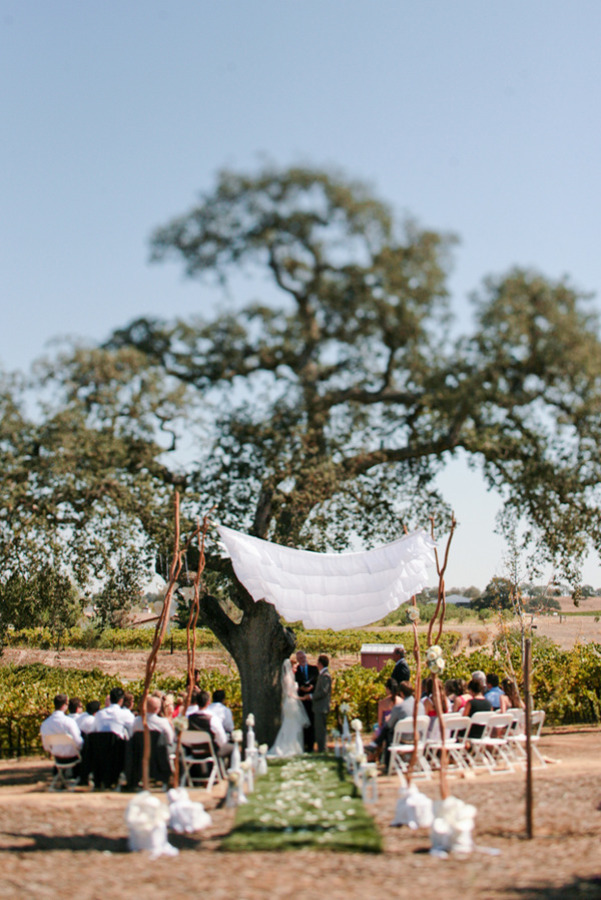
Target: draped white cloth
{"type": "Point", "coordinates": [331, 590]}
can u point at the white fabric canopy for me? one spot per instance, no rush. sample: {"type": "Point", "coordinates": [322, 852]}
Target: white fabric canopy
{"type": "Point", "coordinates": [331, 590]}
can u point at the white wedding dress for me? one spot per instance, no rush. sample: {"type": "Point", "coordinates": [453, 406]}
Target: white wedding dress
{"type": "Point", "coordinates": [289, 740]}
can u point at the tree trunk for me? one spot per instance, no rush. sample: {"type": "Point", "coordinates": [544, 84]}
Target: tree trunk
{"type": "Point", "coordinates": [259, 644]}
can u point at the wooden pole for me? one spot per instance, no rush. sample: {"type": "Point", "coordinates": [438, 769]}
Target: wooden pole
{"type": "Point", "coordinates": [416, 695]}
{"type": "Point", "coordinates": [528, 701]}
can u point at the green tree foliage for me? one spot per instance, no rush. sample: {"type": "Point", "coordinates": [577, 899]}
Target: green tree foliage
{"type": "Point", "coordinates": [497, 595]}
{"type": "Point", "coordinates": [328, 405]}
{"type": "Point", "coordinates": [119, 594]}
{"type": "Point", "coordinates": [85, 487]}
{"type": "Point", "coordinates": [45, 598]}
{"type": "Point", "coordinates": [541, 604]}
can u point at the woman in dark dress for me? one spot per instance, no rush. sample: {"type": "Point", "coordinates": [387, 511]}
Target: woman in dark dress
{"type": "Point", "coordinates": [478, 703]}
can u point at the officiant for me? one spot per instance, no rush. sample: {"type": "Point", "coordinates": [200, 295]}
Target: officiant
{"type": "Point", "coordinates": [306, 679]}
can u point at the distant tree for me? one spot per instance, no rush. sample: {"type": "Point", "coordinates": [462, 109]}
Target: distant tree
{"type": "Point", "coordinates": [497, 595]}
{"type": "Point", "coordinates": [44, 599]}
{"type": "Point", "coordinates": [542, 603]}
{"type": "Point", "coordinates": [469, 592]}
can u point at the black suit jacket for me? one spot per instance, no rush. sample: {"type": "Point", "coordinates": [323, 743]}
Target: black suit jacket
{"type": "Point", "coordinates": [310, 680]}
{"type": "Point", "coordinates": [401, 671]}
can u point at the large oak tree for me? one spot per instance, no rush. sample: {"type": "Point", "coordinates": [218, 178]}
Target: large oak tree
{"type": "Point", "coordinates": [329, 403]}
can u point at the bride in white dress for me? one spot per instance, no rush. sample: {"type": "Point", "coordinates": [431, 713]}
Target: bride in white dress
{"type": "Point", "coordinates": [289, 740]}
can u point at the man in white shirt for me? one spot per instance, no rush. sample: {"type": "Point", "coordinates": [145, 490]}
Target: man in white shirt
{"type": "Point", "coordinates": [114, 718]}
{"type": "Point", "coordinates": [154, 721]}
{"type": "Point", "coordinates": [219, 709]}
{"type": "Point", "coordinates": [85, 722]}
{"type": "Point", "coordinates": [60, 723]}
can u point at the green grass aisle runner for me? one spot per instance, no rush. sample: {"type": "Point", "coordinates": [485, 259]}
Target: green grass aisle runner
{"type": "Point", "coordinates": [305, 802]}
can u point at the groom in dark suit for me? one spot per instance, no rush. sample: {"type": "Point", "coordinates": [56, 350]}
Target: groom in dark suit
{"type": "Point", "coordinates": [306, 679]}
{"type": "Point", "coordinates": [322, 697]}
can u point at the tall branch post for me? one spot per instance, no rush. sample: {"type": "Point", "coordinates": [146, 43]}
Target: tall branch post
{"type": "Point", "coordinates": [160, 630]}
{"type": "Point", "coordinates": [191, 632]}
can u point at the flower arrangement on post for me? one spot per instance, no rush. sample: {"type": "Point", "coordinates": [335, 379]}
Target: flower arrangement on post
{"type": "Point", "coordinates": [248, 780]}
{"type": "Point", "coordinates": [357, 727]}
{"type": "Point", "coordinates": [262, 759]}
{"type": "Point", "coordinates": [345, 710]}
{"type": "Point", "coordinates": [235, 788]}
{"type": "Point", "coordinates": [369, 782]}
{"type": "Point", "coordinates": [236, 759]}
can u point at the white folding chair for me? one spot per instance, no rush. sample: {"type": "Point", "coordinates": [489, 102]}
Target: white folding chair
{"type": "Point", "coordinates": [517, 736]}
{"type": "Point", "coordinates": [402, 747]}
{"type": "Point", "coordinates": [477, 745]}
{"type": "Point", "coordinates": [492, 748]}
{"type": "Point", "coordinates": [64, 770]}
{"type": "Point", "coordinates": [456, 728]}
{"type": "Point", "coordinates": [198, 752]}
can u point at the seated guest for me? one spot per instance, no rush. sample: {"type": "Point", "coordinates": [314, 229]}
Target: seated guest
{"type": "Point", "coordinates": [60, 723]}
{"type": "Point", "coordinates": [154, 721]}
{"type": "Point", "coordinates": [194, 698]}
{"type": "Point", "coordinates": [479, 675]}
{"type": "Point", "coordinates": [218, 708]}
{"type": "Point", "coordinates": [75, 709]}
{"type": "Point", "coordinates": [493, 692]}
{"type": "Point", "coordinates": [428, 699]}
{"type": "Point", "coordinates": [114, 717]}
{"type": "Point", "coordinates": [476, 703]}
{"type": "Point", "coordinates": [462, 695]}
{"type": "Point", "coordinates": [86, 720]}
{"type": "Point", "coordinates": [167, 706]}
{"type": "Point", "coordinates": [386, 704]}
{"type": "Point", "coordinates": [511, 696]}
{"type": "Point", "coordinates": [450, 689]}
{"type": "Point", "coordinates": [404, 709]}
{"type": "Point", "coordinates": [200, 719]}
{"type": "Point", "coordinates": [179, 705]}
{"type": "Point", "coordinates": [404, 704]}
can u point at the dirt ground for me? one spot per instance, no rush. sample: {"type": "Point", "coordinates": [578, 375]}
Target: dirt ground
{"type": "Point", "coordinates": [75, 843]}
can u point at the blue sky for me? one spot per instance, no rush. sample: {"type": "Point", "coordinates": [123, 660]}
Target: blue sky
{"type": "Point", "coordinates": [478, 118]}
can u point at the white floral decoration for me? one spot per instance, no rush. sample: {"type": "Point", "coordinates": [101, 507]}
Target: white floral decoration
{"type": "Point", "coordinates": [250, 720]}
{"type": "Point", "coordinates": [413, 614]}
{"type": "Point", "coordinates": [437, 666]}
{"type": "Point", "coordinates": [180, 724]}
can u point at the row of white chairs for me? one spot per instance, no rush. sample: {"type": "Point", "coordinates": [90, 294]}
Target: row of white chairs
{"type": "Point", "coordinates": [499, 746]}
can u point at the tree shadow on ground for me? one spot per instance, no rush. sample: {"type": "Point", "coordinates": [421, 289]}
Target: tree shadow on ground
{"type": "Point", "coordinates": [84, 843]}
{"type": "Point", "coordinates": [25, 774]}
{"type": "Point", "coordinates": [585, 888]}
